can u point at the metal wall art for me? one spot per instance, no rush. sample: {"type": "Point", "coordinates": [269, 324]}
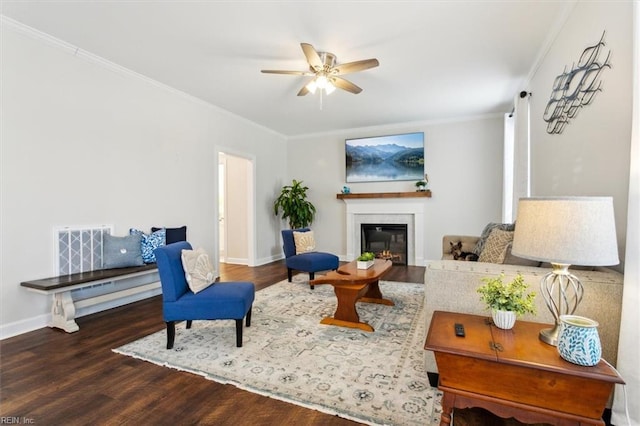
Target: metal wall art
{"type": "Point", "coordinates": [576, 88]}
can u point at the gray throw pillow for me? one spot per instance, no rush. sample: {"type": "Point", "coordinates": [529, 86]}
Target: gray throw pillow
{"type": "Point", "coordinates": [487, 231]}
{"type": "Point", "coordinates": [121, 252]}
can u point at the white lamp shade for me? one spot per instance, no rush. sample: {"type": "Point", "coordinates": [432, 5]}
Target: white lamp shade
{"type": "Point", "coordinates": [568, 230]}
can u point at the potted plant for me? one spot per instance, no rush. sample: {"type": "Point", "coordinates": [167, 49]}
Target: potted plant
{"type": "Point", "coordinates": [365, 260]}
{"type": "Point", "coordinates": [421, 185]}
{"type": "Point", "coordinates": [296, 209]}
{"type": "Point", "coordinates": [507, 300]}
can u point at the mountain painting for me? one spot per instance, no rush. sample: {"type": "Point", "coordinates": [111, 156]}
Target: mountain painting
{"type": "Point", "coordinates": [385, 158]}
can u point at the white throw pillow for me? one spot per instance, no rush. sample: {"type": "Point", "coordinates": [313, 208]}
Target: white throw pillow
{"type": "Point", "coordinates": [197, 269]}
{"type": "Point", "coordinates": [305, 242]}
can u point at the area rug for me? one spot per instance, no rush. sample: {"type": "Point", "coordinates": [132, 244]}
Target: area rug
{"type": "Point", "coordinates": [372, 378]}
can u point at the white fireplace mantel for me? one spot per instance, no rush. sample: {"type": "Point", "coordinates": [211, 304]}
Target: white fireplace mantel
{"type": "Point", "coordinates": [387, 210]}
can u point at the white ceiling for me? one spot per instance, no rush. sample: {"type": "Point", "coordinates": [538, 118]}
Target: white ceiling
{"type": "Point", "coordinates": [438, 59]}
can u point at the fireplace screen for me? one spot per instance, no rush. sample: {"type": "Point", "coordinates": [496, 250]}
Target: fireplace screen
{"type": "Point", "coordinates": [385, 240]}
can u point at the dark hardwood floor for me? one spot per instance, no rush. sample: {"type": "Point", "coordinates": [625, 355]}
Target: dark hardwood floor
{"type": "Point", "coordinates": [49, 377]}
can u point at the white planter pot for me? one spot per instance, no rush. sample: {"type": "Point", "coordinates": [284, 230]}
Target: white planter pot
{"type": "Point", "coordinates": [503, 319]}
{"type": "Point", "coordinates": [365, 264]}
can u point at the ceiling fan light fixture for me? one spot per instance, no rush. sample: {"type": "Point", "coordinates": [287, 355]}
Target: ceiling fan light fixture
{"type": "Point", "coordinates": [312, 86]}
{"type": "Point", "coordinates": [329, 88]}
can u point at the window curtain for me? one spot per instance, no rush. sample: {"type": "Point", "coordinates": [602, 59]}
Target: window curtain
{"type": "Point", "coordinates": [521, 152]}
{"type": "Point", "coordinates": [507, 167]}
{"type": "Point", "coordinates": [629, 345]}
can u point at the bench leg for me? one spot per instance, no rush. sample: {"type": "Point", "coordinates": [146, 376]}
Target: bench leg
{"type": "Point", "coordinates": [312, 276]}
{"type": "Point", "coordinates": [189, 322]}
{"type": "Point", "coordinates": [63, 312]}
{"type": "Point", "coordinates": [171, 333]}
{"type": "Point", "coordinates": [239, 333]}
{"type": "Point", "coordinates": [289, 274]}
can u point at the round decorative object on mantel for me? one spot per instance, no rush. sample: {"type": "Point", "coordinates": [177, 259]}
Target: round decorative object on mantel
{"type": "Point", "coordinates": [578, 341]}
{"type": "Point", "coordinates": [503, 319]}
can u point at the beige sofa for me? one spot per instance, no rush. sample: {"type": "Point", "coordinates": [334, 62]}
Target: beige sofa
{"type": "Point", "coordinates": [450, 285]}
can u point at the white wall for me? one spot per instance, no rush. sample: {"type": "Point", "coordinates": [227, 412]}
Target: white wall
{"type": "Point", "coordinates": [591, 155]}
{"type": "Point", "coordinates": [462, 158]}
{"type": "Point", "coordinates": [86, 144]}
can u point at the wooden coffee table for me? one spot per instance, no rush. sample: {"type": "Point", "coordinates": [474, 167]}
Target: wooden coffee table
{"type": "Point", "coordinates": [353, 285]}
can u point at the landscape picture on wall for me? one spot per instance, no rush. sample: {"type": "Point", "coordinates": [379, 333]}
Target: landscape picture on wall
{"type": "Point", "coordinates": [385, 158]}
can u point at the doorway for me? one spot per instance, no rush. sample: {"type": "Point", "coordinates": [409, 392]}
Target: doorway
{"type": "Point", "coordinates": [236, 214]}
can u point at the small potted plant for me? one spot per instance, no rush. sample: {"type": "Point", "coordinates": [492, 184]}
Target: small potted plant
{"type": "Point", "coordinates": [421, 185]}
{"type": "Point", "coordinates": [507, 300]}
{"type": "Point", "coordinates": [365, 260]}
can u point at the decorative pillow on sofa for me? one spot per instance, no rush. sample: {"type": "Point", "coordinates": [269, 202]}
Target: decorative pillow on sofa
{"type": "Point", "coordinates": [121, 252]}
{"type": "Point", "coordinates": [487, 231]}
{"type": "Point", "coordinates": [173, 235]}
{"type": "Point", "coordinates": [149, 242]}
{"type": "Point", "coordinates": [495, 249]}
{"type": "Point", "coordinates": [305, 242]}
{"type": "Point", "coordinates": [198, 270]}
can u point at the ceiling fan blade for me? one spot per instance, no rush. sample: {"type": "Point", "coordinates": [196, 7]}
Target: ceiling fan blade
{"type": "Point", "coordinates": [355, 66]}
{"type": "Point", "coordinates": [304, 90]}
{"type": "Point", "coordinates": [312, 56]}
{"type": "Point", "coordinates": [343, 84]}
{"type": "Point", "coordinates": [287, 72]}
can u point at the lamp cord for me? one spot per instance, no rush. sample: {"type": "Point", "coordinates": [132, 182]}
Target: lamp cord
{"type": "Point", "coordinates": [624, 392]}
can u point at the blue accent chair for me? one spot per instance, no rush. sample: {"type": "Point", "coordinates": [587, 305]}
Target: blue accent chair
{"type": "Point", "coordinates": [311, 262]}
{"type": "Point", "coordinates": [220, 301]}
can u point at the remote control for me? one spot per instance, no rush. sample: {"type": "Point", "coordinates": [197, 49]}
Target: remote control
{"type": "Point", "coordinates": [459, 329]}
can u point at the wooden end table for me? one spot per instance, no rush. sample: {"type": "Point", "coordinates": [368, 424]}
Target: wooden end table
{"type": "Point", "coordinates": [512, 373]}
{"type": "Point", "coordinates": [352, 285]}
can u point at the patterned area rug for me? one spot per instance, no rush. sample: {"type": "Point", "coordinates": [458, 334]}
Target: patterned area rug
{"type": "Point", "coordinates": [372, 378]}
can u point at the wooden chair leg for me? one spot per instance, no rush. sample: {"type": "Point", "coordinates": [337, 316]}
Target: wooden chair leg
{"type": "Point", "coordinates": [171, 333]}
{"type": "Point", "coordinates": [189, 323]}
{"type": "Point", "coordinates": [239, 333]}
{"type": "Point", "coordinates": [248, 320]}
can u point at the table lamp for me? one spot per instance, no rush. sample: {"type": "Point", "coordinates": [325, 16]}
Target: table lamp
{"type": "Point", "coordinates": [565, 231]}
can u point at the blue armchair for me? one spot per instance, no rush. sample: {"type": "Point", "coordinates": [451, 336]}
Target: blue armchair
{"type": "Point", "coordinates": [310, 262]}
{"type": "Point", "coordinates": [220, 301]}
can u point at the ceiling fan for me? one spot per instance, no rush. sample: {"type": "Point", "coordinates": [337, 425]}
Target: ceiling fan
{"type": "Point", "coordinates": [326, 74]}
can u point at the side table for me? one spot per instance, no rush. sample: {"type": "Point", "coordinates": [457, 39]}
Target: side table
{"type": "Point", "coordinates": [513, 374]}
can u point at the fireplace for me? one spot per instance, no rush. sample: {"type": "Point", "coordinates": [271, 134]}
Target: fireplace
{"type": "Point", "coordinates": [385, 240]}
{"type": "Point", "coordinates": [409, 211]}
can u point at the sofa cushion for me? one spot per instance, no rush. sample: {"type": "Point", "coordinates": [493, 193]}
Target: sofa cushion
{"type": "Point", "coordinates": [305, 242]}
{"type": "Point", "coordinates": [198, 270]}
{"type": "Point", "coordinates": [495, 248]}
{"type": "Point", "coordinates": [511, 259]}
{"type": "Point", "coordinates": [487, 231]}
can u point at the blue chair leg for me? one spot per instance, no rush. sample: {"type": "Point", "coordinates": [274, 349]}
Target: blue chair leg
{"type": "Point", "coordinates": [312, 276]}
{"type": "Point", "coordinates": [171, 333]}
{"type": "Point", "coordinates": [248, 322]}
{"type": "Point", "coordinates": [239, 333]}
{"type": "Point", "coordinates": [239, 328]}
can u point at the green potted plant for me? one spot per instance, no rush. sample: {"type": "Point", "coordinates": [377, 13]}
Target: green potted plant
{"type": "Point", "coordinates": [421, 185]}
{"type": "Point", "coordinates": [365, 260]}
{"type": "Point", "coordinates": [507, 300]}
{"type": "Point", "coordinates": [296, 209]}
